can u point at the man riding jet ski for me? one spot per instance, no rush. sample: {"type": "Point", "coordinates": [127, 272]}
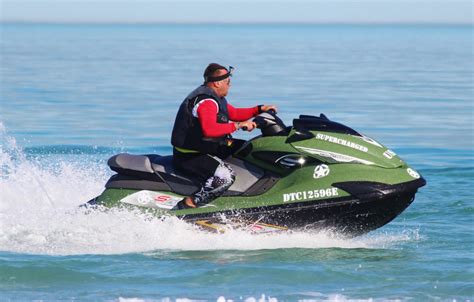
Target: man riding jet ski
{"type": "Point", "coordinates": [202, 138]}
{"type": "Point", "coordinates": [315, 174]}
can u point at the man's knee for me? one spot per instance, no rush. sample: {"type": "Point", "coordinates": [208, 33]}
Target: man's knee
{"type": "Point", "coordinates": [225, 175]}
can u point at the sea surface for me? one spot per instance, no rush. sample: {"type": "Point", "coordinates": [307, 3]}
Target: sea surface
{"type": "Point", "coordinates": [73, 95]}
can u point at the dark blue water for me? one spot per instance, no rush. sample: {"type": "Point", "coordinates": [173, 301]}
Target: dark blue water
{"type": "Point", "coordinates": [72, 95]}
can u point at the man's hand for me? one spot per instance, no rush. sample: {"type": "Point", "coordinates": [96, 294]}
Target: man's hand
{"type": "Point", "coordinates": [268, 107]}
{"type": "Point", "coordinates": [247, 125]}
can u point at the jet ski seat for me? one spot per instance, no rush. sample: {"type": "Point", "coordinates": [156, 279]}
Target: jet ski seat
{"type": "Point", "coordinates": [137, 165]}
{"type": "Point", "coordinates": [156, 172]}
{"type": "Point", "coordinates": [148, 172]}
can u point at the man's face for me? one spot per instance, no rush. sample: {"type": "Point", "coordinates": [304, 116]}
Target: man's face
{"type": "Point", "coordinates": [222, 87]}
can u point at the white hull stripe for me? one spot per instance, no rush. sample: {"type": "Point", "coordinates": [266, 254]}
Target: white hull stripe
{"type": "Point", "coordinates": [336, 156]}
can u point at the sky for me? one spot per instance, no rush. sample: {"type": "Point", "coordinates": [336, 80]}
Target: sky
{"type": "Point", "coordinates": [233, 11]}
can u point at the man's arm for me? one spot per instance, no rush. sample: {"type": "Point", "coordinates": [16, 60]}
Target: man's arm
{"type": "Point", "coordinates": [241, 114]}
{"type": "Point", "coordinates": [206, 113]}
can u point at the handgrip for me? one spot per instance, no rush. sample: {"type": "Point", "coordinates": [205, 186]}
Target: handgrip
{"type": "Point", "coordinates": [271, 111]}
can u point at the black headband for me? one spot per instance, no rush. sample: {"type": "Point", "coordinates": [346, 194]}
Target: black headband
{"type": "Point", "coordinates": [208, 79]}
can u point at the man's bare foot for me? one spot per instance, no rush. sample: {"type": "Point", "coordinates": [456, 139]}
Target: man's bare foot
{"type": "Point", "coordinates": [186, 203]}
{"type": "Point", "coordinates": [189, 202]}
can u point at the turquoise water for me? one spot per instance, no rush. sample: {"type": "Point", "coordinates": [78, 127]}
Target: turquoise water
{"type": "Point", "coordinates": [73, 95]}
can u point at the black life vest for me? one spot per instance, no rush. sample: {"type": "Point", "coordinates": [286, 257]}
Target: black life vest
{"type": "Point", "coordinates": [187, 132]}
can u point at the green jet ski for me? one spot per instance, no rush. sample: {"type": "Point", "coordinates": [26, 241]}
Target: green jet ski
{"type": "Point", "coordinates": [316, 174]}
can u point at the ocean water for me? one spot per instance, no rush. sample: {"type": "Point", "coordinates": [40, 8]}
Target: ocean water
{"type": "Point", "coordinates": [73, 95]}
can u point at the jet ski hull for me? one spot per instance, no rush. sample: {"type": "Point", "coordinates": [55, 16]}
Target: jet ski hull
{"type": "Point", "coordinates": [349, 215]}
{"type": "Point", "coordinates": [346, 215]}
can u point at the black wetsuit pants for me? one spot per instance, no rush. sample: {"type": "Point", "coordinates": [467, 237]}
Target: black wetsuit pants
{"type": "Point", "coordinates": [214, 175]}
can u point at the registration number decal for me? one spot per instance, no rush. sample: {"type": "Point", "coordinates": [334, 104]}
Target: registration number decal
{"type": "Point", "coordinates": [312, 194]}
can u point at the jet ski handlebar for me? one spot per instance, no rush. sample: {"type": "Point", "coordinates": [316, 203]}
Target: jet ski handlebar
{"type": "Point", "coordinates": [271, 111]}
{"type": "Point", "coordinates": [269, 123]}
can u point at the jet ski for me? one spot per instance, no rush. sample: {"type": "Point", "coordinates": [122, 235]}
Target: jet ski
{"type": "Point", "coordinates": [315, 174]}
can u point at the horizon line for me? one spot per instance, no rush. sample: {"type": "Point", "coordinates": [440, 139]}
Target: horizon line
{"type": "Point", "coordinates": [374, 23]}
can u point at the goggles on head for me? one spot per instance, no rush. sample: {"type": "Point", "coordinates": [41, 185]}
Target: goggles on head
{"type": "Point", "coordinates": [221, 77]}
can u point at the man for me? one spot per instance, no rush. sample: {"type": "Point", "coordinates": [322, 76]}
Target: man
{"type": "Point", "coordinates": [202, 135]}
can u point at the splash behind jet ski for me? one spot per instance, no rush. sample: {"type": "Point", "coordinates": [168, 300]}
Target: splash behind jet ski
{"type": "Point", "coordinates": [316, 174]}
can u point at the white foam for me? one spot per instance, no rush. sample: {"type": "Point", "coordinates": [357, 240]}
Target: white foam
{"type": "Point", "coordinates": [39, 214]}
{"type": "Point", "coordinates": [315, 297]}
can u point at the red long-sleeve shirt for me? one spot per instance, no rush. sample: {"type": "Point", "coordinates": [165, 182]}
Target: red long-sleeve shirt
{"type": "Point", "coordinates": [207, 110]}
